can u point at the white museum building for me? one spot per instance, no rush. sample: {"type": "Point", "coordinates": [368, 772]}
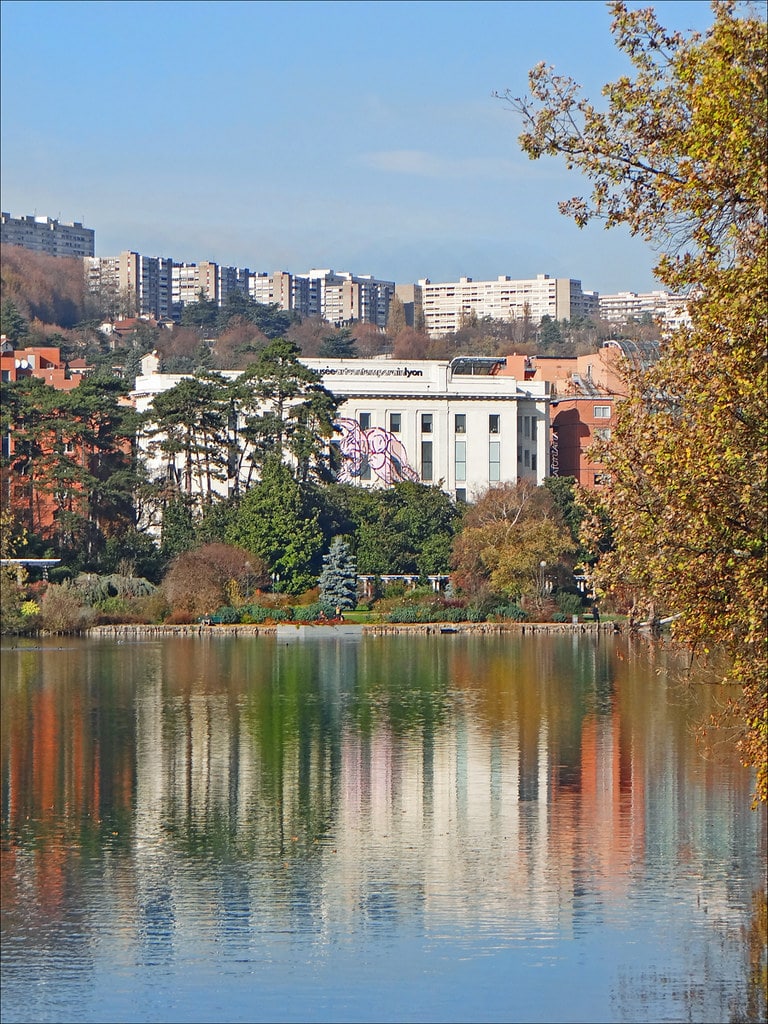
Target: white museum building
{"type": "Point", "coordinates": [458, 425]}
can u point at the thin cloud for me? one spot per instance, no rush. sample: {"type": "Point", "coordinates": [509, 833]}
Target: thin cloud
{"type": "Point", "coordinates": [418, 163]}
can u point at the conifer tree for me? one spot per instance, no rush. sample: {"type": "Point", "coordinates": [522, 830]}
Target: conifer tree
{"type": "Point", "coordinates": [338, 580]}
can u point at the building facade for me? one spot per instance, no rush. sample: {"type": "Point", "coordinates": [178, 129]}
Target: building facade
{"type": "Point", "coordinates": [584, 393]}
{"type": "Point", "coordinates": [44, 234]}
{"type": "Point", "coordinates": [136, 285]}
{"type": "Point", "coordinates": [671, 311]}
{"type": "Point", "coordinates": [458, 425]}
{"type": "Point", "coordinates": [449, 306]}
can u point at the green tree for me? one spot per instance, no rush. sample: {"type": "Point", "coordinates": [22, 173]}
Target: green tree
{"type": "Point", "coordinates": [285, 412]}
{"type": "Point", "coordinates": [396, 320]}
{"type": "Point", "coordinates": [338, 346]}
{"type": "Point", "coordinates": [202, 314]}
{"type": "Point", "coordinates": [550, 335]}
{"type": "Point", "coordinates": [178, 528]}
{"type": "Point", "coordinates": [277, 521]}
{"type": "Point", "coordinates": [338, 580]}
{"type": "Point", "coordinates": [677, 155]}
{"type": "Point", "coordinates": [187, 426]}
{"type": "Point", "coordinates": [12, 323]}
{"type": "Point", "coordinates": [74, 449]}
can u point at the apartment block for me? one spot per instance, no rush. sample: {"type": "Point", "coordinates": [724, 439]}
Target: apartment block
{"type": "Point", "coordinates": [671, 311]}
{"type": "Point", "coordinates": [449, 306]}
{"type": "Point", "coordinates": [44, 234]}
{"type": "Point", "coordinates": [140, 285]}
{"type": "Point", "coordinates": [341, 298]}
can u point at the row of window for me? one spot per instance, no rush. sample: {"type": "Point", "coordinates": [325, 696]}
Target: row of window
{"type": "Point", "coordinates": [459, 423]}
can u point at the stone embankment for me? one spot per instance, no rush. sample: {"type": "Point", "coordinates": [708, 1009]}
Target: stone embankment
{"type": "Point", "coordinates": [134, 630]}
{"type": "Point", "coordinates": [487, 628]}
{"type": "Point", "coordinates": [126, 631]}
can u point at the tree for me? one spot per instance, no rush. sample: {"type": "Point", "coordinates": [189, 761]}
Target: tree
{"type": "Point", "coordinates": [338, 580]}
{"type": "Point", "coordinates": [72, 459]}
{"type": "Point", "coordinates": [186, 424]}
{"type": "Point", "coordinates": [550, 335]}
{"type": "Point", "coordinates": [505, 536]}
{"type": "Point", "coordinates": [12, 323]}
{"type": "Point", "coordinates": [396, 320]}
{"type": "Point", "coordinates": [287, 411]}
{"type": "Point", "coordinates": [202, 580]}
{"type": "Point", "coordinates": [338, 346]}
{"type": "Point", "coordinates": [678, 157]}
{"type": "Point", "coordinates": [202, 314]}
{"type": "Point", "coordinates": [277, 522]}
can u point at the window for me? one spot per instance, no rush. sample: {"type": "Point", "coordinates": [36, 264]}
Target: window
{"type": "Point", "coordinates": [461, 494]}
{"type": "Point", "coordinates": [533, 428]}
{"type": "Point", "coordinates": [493, 423]}
{"type": "Point", "coordinates": [364, 419]}
{"type": "Point", "coordinates": [600, 479]}
{"type": "Point", "coordinates": [460, 461]}
{"type": "Point", "coordinates": [526, 426]}
{"type": "Point", "coordinates": [602, 412]}
{"type": "Point", "coordinates": [426, 423]}
{"type": "Point", "coordinates": [460, 423]}
{"type": "Point", "coordinates": [494, 461]}
{"type": "Point", "coordinates": [519, 426]}
{"type": "Point", "coordinates": [519, 453]}
{"type": "Point", "coordinates": [394, 422]}
{"type": "Point", "coordinates": [365, 469]}
{"type": "Point", "coordinates": [603, 433]}
{"type": "Point", "coordinates": [426, 460]}
{"type": "Point", "coordinates": [533, 460]}
{"type": "Point", "coordinates": [526, 458]}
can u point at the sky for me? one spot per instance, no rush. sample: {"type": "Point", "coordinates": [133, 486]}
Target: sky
{"type": "Point", "coordinates": [354, 136]}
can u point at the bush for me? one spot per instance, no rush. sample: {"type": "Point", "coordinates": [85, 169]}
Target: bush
{"type": "Point", "coordinates": [211, 576]}
{"type": "Point", "coordinates": [569, 603]}
{"type": "Point", "coordinates": [314, 612]}
{"type": "Point", "coordinates": [178, 618]}
{"type": "Point", "coordinates": [62, 611]}
{"type": "Point", "coordinates": [508, 611]}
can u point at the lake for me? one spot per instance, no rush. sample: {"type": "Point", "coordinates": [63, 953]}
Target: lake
{"type": "Point", "coordinates": [434, 828]}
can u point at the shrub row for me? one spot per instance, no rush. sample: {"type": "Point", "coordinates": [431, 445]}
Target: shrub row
{"type": "Point", "coordinates": [432, 613]}
{"type": "Point", "coordinates": [256, 614]}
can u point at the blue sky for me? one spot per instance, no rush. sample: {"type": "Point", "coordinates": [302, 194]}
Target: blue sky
{"type": "Point", "coordinates": [285, 136]}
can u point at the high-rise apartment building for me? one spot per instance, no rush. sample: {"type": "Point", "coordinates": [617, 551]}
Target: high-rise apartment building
{"type": "Point", "coordinates": [137, 285]}
{"type": "Point", "coordinates": [660, 306]}
{"type": "Point", "coordinates": [449, 306]}
{"type": "Point", "coordinates": [43, 234]}
{"type": "Point", "coordinates": [341, 298]}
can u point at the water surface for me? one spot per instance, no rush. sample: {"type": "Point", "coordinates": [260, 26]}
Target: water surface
{"type": "Point", "coordinates": [442, 828]}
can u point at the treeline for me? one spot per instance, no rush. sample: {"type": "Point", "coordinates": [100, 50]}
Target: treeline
{"type": "Point", "coordinates": [44, 302]}
{"type": "Point", "coordinates": [84, 491]}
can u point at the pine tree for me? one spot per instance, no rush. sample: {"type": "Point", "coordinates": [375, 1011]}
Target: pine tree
{"type": "Point", "coordinates": [338, 580]}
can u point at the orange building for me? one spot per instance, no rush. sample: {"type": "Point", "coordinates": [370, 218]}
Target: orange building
{"type": "Point", "coordinates": [34, 509]}
{"type": "Point", "coordinates": [40, 361]}
{"type": "Point", "coordinates": [584, 392]}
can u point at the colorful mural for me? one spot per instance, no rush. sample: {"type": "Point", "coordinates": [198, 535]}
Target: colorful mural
{"type": "Point", "coordinates": [375, 448]}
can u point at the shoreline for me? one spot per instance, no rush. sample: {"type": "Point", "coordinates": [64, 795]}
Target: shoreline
{"type": "Point", "coordinates": [135, 630]}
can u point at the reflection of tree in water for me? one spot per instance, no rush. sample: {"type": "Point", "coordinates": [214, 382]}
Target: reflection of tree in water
{"type": "Point", "coordinates": [756, 942]}
{"type": "Point", "coordinates": [642, 995]}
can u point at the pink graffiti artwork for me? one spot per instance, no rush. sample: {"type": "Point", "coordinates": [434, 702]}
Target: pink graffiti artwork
{"type": "Point", "coordinates": [375, 448]}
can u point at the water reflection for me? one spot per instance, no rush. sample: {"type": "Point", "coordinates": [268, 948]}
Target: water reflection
{"type": "Point", "coordinates": [185, 808]}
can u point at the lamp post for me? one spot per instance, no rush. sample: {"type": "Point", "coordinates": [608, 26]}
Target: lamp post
{"type": "Point", "coordinates": [542, 567]}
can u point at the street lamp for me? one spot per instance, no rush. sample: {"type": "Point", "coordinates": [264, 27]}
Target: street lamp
{"type": "Point", "coordinates": [542, 567]}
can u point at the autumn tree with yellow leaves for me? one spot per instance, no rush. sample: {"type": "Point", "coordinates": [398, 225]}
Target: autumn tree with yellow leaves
{"type": "Point", "coordinates": [676, 152]}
